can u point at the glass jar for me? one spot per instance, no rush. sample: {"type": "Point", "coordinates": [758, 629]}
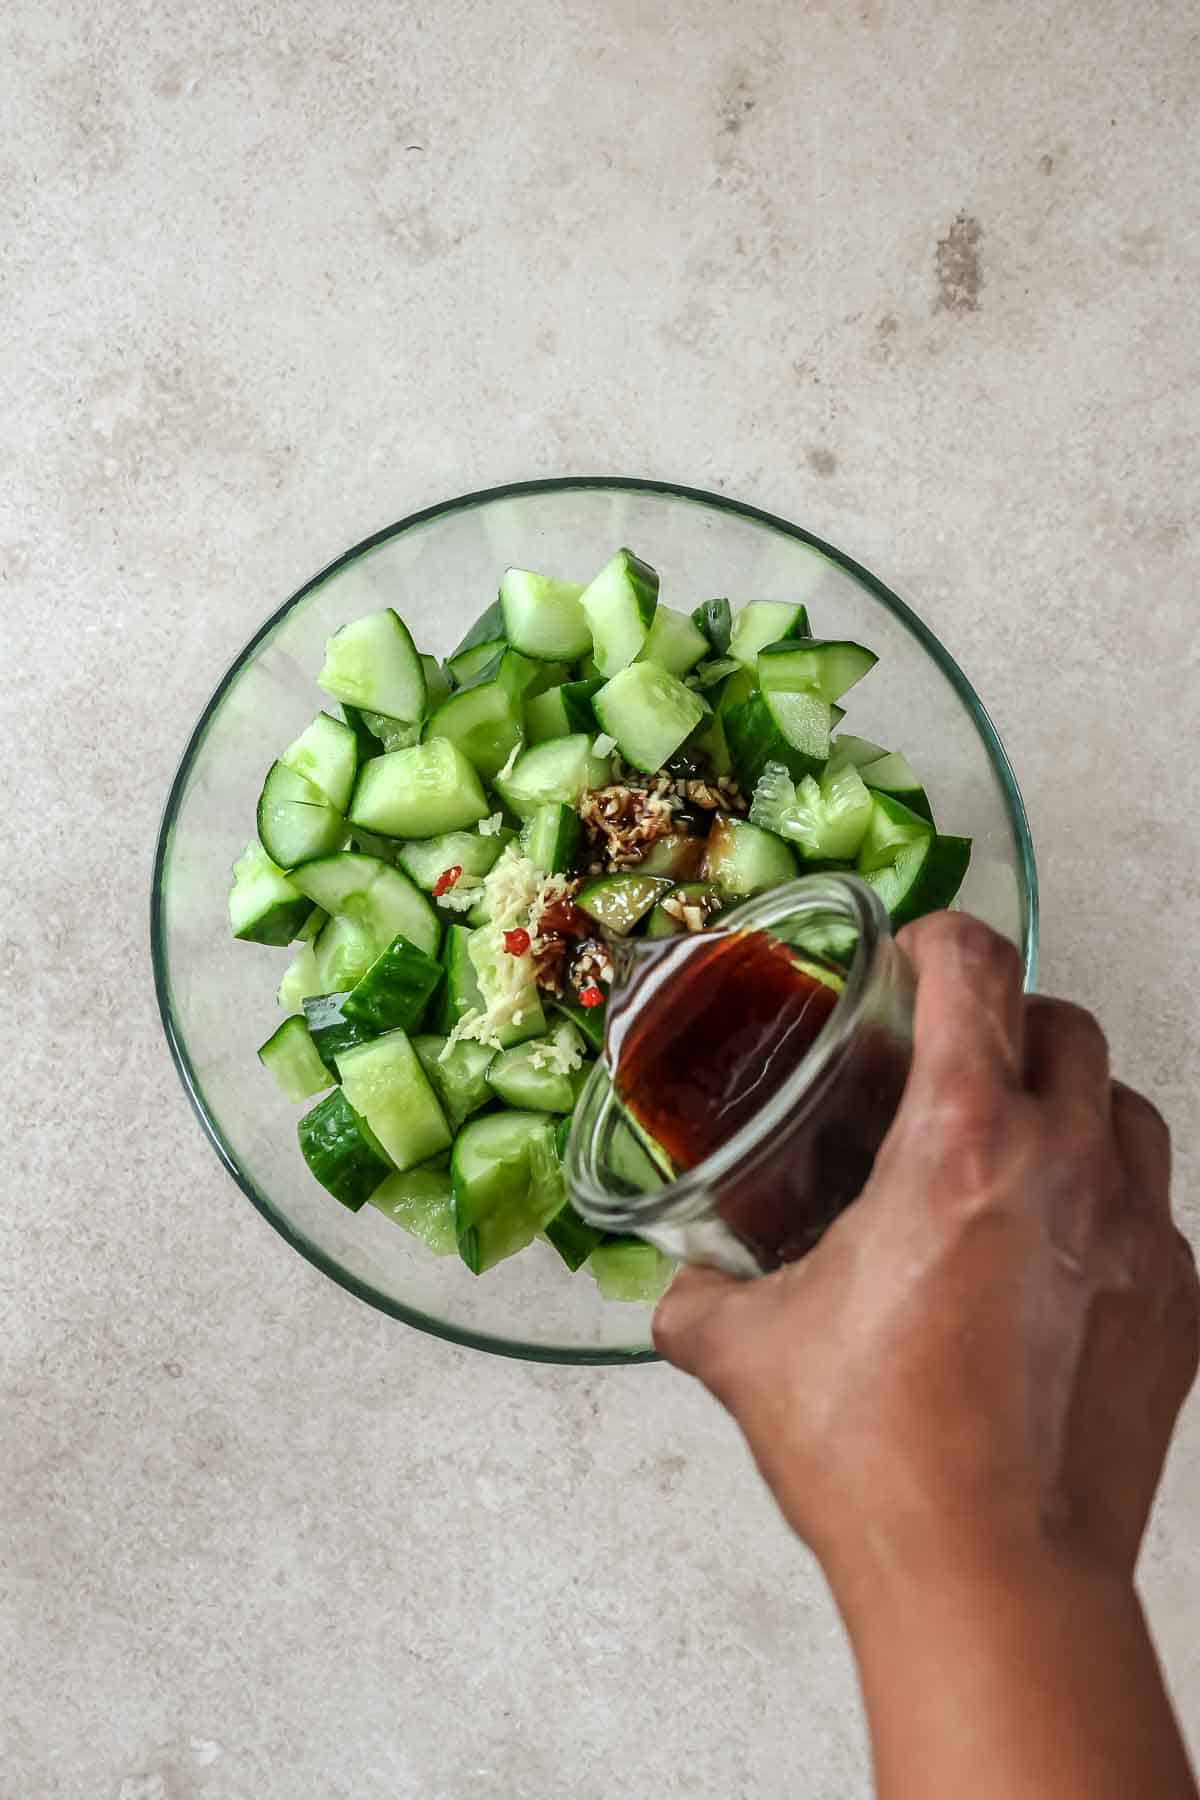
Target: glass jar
{"type": "Point", "coordinates": [767, 1195]}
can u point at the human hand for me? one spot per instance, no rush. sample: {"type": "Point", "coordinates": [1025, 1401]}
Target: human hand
{"type": "Point", "coordinates": [994, 1341]}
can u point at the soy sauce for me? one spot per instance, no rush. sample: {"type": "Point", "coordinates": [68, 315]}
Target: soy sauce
{"type": "Point", "coordinates": [704, 1033]}
{"type": "Point", "coordinates": [707, 1032]}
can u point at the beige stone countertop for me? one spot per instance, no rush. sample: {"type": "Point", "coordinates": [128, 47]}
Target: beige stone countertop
{"type": "Point", "coordinates": [920, 277]}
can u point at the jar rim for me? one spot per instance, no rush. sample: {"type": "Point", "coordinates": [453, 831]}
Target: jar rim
{"type": "Point", "coordinates": [689, 1194]}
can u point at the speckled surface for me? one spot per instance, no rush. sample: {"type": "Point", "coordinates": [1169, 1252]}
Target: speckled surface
{"type": "Point", "coordinates": [918, 276]}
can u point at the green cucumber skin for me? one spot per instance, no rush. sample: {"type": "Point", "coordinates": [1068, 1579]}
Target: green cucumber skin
{"type": "Point", "coordinates": [715, 619]}
{"type": "Point", "coordinates": [618, 902]}
{"type": "Point", "coordinates": [755, 740]}
{"type": "Point", "coordinates": [588, 1019]}
{"type": "Point", "coordinates": [572, 1237]}
{"type": "Point", "coordinates": [337, 1153]}
{"type": "Point", "coordinates": [487, 629]}
{"type": "Point", "coordinates": [396, 990]}
{"type": "Point", "coordinates": [331, 1031]}
{"type": "Point", "coordinates": [935, 887]}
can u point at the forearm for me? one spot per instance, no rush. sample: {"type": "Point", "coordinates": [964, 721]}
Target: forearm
{"type": "Point", "coordinates": [1012, 1677]}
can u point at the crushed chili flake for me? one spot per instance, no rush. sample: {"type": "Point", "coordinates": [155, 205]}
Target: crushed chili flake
{"type": "Point", "coordinates": [446, 881]}
{"type": "Point", "coordinates": [516, 942]}
{"type": "Point", "coordinates": [591, 996]}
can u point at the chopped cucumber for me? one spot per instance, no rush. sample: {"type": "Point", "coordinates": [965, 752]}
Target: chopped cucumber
{"type": "Point", "coordinates": [709, 741]}
{"type": "Point", "coordinates": [522, 1077]}
{"type": "Point", "coordinates": [330, 1030]}
{"type": "Point", "coordinates": [715, 619]}
{"type": "Point", "coordinates": [924, 877]}
{"type": "Point", "coordinates": [562, 711]}
{"type": "Point", "coordinates": [375, 896]}
{"type": "Point", "coordinates": [385, 1083]}
{"type": "Point", "coordinates": [488, 629]}
{"type": "Point", "coordinates": [792, 729]}
{"type": "Point", "coordinates": [699, 901]}
{"type": "Point", "coordinates": [846, 748]}
{"type": "Point", "coordinates": [765, 622]}
{"type": "Point", "coordinates": [507, 1184]}
{"type": "Point", "coordinates": [483, 720]}
{"type": "Point", "coordinates": [365, 739]}
{"type": "Point", "coordinates": [302, 979]}
{"type": "Point", "coordinates": [589, 1020]}
{"type": "Point", "coordinates": [572, 1237]}
{"type": "Point", "coordinates": [461, 993]}
{"type": "Point", "coordinates": [421, 1201]}
{"type": "Point", "coordinates": [742, 859]}
{"type": "Point", "coordinates": [678, 855]}
{"type": "Point", "coordinates": [710, 674]}
{"type": "Point", "coordinates": [419, 793]}
{"type": "Point", "coordinates": [618, 901]}
{"type": "Point", "coordinates": [458, 1076]}
{"type": "Point", "coordinates": [345, 950]}
{"type": "Point", "coordinates": [373, 664]}
{"type": "Point", "coordinates": [890, 829]}
{"type": "Point", "coordinates": [818, 666]}
{"type": "Point", "coordinates": [558, 770]}
{"type": "Point", "coordinates": [396, 989]}
{"type": "Point", "coordinates": [291, 1057]}
{"type": "Point", "coordinates": [312, 927]}
{"type": "Point", "coordinates": [295, 820]}
{"type": "Point", "coordinates": [469, 666]}
{"type": "Point", "coordinates": [893, 774]}
{"type": "Point", "coordinates": [649, 713]}
{"type": "Point", "coordinates": [674, 642]}
{"type": "Point", "coordinates": [264, 906]}
{"type": "Point", "coordinates": [734, 690]}
{"type": "Point", "coordinates": [327, 755]}
{"type": "Point", "coordinates": [551, 838]}
{"type": "Point", "coordinates": [543, 617]}
{"type": "Point", "coordinates": [427, 860]}
{"type": "Point", "coordinates": [629, 1269]}
{"type": "Point", "coordinates": [437, 682]}
{"type": "Point", "coordinates": [389, 733]}
{"type": "Point", "coordinates": [620, 604]}
{"type": "Point", "coordinates": [339, 1153]}
{"type": "Point", "coordinates": [826, 820]}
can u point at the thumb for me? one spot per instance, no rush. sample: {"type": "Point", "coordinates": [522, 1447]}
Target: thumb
{"type": "Point", "coordinates": [687, 1313]}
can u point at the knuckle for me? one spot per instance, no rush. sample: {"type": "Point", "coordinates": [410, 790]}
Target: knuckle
{"type": "Point", "coordinates": [1132, 1101]}
{"type": "Point", "coordinates": [977, 944]}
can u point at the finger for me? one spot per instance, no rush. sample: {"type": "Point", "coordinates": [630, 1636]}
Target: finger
{"type": "Point", "coordinates": [1143, 1145]}
{"type": "Point", "coordinates": [685, 1311]}
{"type": "Point", "coordinates": [1066, 1054]}
{"type": "Point", "coordinates": [968, 1022]}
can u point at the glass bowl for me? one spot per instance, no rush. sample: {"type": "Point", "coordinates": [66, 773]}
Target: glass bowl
{"type": "Point", "coordinates": [440, 568]}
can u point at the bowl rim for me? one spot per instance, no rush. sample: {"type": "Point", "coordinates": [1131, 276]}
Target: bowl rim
{"type": "Point", "coordinates": [900, 610]}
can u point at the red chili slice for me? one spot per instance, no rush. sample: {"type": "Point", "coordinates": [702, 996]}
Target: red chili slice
{"type": "Point", "coordinates": [516, 942]}
{"type": "Point", "coordinates": [446, 881]}
{"type": "Point", "coordinates": [591, 996]}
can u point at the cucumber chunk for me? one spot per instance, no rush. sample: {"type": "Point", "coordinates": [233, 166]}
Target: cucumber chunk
{"type": "Point", "coordinates": [301, 979]}
{"type": "Point", "coordinates": [765, 622]}
{"type": "Point", "coordinates": [674, 642]}
{"type": "Point", "coordinates": [924, 877]}
{"type": "Point", "coordinates": [715, 619]}
{"type": "Point", "coordinates": [826, 820]}
{"type": "Point", "coordinates": [461, 993]}
{"type": "Point", "coordinates": [629, 1269]}
{"type": "Point", "coordinates": [507, 1184]}
{"type": "Point", "coordinates": [345, 950]}
{"type": "Point", "coordinates": [427, 859]}
{"type": "Point", "coordinates": [699, 899]}
{"type": "Point", "coordinates": [543, 617]}
{"type": "Point", "coordinates": [338, 1153]}
{"type": "Point", "coordinates": [437, 681]}
{"type": "Point", "coordinates": [295, 820]}
{"type": "Point", "coordinates": [735, 689]}
{"type": "Point", "coordinates": [459, 1077]}
{"type": "Point", "coordinates": [291, 1057]}
{"type": "Point", "coordinates": [677, 855]}
{"type": "Point", "coordinates": [792, 729]}
{"type": "Point", "coordinates": [620, 604]}
{"type": "Point", "coordinates": [618, 901]}
{"type": "Point", "coordinates": [264, 906]}
{"type": "Point", "coordinates": [826, 667]}
{"type": "Point", "coordinates": [562, 711]}
{"type": "Point", "coordinates": [373, 664]}
{"type": "Point", "coordinates": [516, 1078]}
{"type": "Point", "coordinates": [649, 713]}
{"type": "Point", "coordinates": [472, 665]}
{"type": "Point", "coordinates": [488, 629]}
{"type": "Point", "coordinates": [418, 793]}
{"type": "Point", "coordinates": [572, 1237]}
{"type": "Point", "coordinates": [742, 859]}
{"type": "Point", "coordinates": [331, 1031]}
{"type": "Point", "coordinates": [421, 1202]}
{"type": "Point", "coordinates": [893, 774]}
{"type": "Point", "coordinates": [551, 838]}
{"type": "Point", "coordinates": [389, 733]}
{"type": "Point", "coordinates": [327, 755]}
{"type": "Point", "coordinates": [396, 989]}
{"type": "Point", "coordinates": [385, 1083]}
{"type": "Point", "coordinates": [373, 895]}
{"type": "Point", "coordinates": [558, 770]}
{"type": "Point", "coordinates": [890, 829]}
{"type": "Point", "coordinates": [483, 720]}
